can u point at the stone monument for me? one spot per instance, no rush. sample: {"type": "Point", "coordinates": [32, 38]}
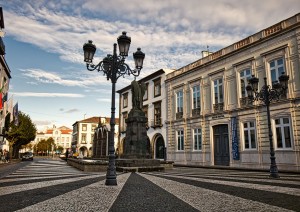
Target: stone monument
{"type": "Point", "coordinates": [100, 141]}
{"type": "Point", "coordinates": [136, 148]}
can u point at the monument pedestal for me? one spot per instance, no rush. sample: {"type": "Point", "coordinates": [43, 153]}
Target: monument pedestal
{"type": "Point", "coordinates": [136, 143]}
{"type": "Point", "coordinates": [138, 165]}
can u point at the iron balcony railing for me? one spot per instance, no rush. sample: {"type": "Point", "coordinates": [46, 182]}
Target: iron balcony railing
{"type": "Point", "coordinates": [218, 107]}
{"type": "Point", "coordinates": [179, 115]}
{"type": "Point", "coordinates": [196, 111]}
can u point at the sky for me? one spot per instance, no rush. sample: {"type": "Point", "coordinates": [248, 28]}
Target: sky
{"type": "Point", "coordinates": [44, 39]}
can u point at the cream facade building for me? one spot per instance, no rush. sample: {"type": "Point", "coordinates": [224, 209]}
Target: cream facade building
{"type": "Point", "coordinates": [83, 134]}
{"type": "Point", "coordinates": [210, 121]}
{"type": "Point", "coordinates": [154, 106]}
{"type": "Point", "coordinates": [62, 136]}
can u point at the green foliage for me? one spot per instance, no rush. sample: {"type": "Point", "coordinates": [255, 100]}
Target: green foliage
{"type": "Point", "coordinates": [22, 134]}
{"type": "Point", "coordinates": [46, 145]}
{"type": "Point", "coordinates": [60, 149]}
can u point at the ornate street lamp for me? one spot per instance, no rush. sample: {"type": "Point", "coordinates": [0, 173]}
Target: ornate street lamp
{"type": "Point", "coordinates": [113, 66]}
{"type": "Point", "coordinates": [266, 95]}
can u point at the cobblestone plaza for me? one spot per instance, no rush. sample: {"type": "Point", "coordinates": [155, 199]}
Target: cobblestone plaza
{"type": "Point", "coordinates": [52, 185]}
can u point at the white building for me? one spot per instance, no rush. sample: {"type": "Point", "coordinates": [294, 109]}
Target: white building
{"type": "Point", "coordinates": [154, 106]}
{"type": "Point", "coordinates": [210, 120]}
{"type": "Point", "coordinates": [62, 136]}
{"type": "Point", "coordinates": [83, 134]}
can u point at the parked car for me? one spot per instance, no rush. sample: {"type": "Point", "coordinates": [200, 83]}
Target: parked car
{"type": "Point", "coordinates": [27, 156]}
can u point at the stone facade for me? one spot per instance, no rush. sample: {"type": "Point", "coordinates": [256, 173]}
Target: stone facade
{"type": "Point", "coordinates": [83, 134]}
{"type": "Point", "coordinates": [154, 106]}
{"type": "Point", "coordinates": [209, 95]}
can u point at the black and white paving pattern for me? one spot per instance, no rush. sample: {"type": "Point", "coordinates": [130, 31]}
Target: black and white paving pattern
{"type": "Point", "coordinates": [52, 185]}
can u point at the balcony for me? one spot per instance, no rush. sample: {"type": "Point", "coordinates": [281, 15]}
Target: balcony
{"type": "Point", "coordinates": [2, 47]}
{"type": "Point", "coordinates": [196, 112]}
{"type": "Point", "coordinates": [218, 107]}
{"type": "Point", "coordinates": [179, 115]}
{"type": "Point", "coordinates": [245, 101]}
{"type": "Point", "coordinates": [156, 123]}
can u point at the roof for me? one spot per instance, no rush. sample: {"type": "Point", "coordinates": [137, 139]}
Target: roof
{"type": "Point", "coordinates": [149, 77]}
{"type": "Point", "coordinates": [261, 36]}
{"type": "Point", "coordinates": [62, 129]}
{"type": "Point", "coordinates": [96, 120]}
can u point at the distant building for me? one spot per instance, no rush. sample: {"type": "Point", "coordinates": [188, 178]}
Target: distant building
{"type": "Point", "coordinates": [83, 134]}
{"type": "Point", "coordinates": [154, 107]}
{"type": "Point", "coordinates": [62, 136]}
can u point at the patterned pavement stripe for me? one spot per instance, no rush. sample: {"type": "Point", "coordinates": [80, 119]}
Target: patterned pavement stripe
{"type": "Point", "coordinates": [236, 173]}
{"type": "Point", "coordinates": [18, 200]}
{"type": "Point", "coordinates": [262, 187]}
{"type": "Point", "coordinates": [29, 181]}
{"type": "Point", "coordinates": [271, 195]}
{"type": "Point", "coordinates": [30, 186]}
{"type": "Point", "coordinates": [94, 197]}
{"type": "Point", "coordinates": [266, 181]}
{"type": "Point", "coordinates": [140, 194]}
{"type": "Point", "coordinates": [209, 200]}
{"type": "Point", "coordinates": [30, 177]}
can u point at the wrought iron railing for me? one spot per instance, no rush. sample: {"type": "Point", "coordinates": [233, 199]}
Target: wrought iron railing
{"type": "Point", "coordinates": [179, 115]}
{"type": "Point", "coordinates": [218, 107]}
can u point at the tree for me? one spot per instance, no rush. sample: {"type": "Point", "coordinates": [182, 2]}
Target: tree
{"type": "Point", "coordinates": [60, 149]}
{"type": "Point", "coordinates": [28, 146]}
{"type": "Point", "coordinates": [21, 134]}
{"type": "Point", "coordinates": [46, 146]}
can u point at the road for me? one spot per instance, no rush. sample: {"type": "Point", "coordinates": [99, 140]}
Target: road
{"type": "Point", "coordinates": [52, 185]}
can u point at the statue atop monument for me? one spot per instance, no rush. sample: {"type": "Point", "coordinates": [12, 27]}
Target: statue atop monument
{"type": "Point", "coordinates": [138, 91]}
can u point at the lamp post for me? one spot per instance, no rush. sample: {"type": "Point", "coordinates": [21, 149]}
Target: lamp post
{"type": "Point", "coordinates": [266, 95]}
{"type": "Point", "coordinates": [113, 66]}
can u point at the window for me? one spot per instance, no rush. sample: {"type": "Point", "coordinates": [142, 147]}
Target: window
{"type": "Point", "coordinates": [157, 113]}
{"type": "Point", "coordinates": [249, 135]}
{"type": "Point", "coordinates": [145, 110]}
{"type": "Point", "coordinates": [145, 97]}
{"type": "Point", "coordinates": [283, 133]}
{"type": "Point", "coordinates": [180, 140]}
{"type": "Point", "coordinates": [93, 127]}
{"type": "Point", "coordinates": [276, 69]}
{"type": "Point", "coordinates": [179, 101]}
{"type": "Point", "coordinates": [84, 127]}
{"type": "Point", "coordinates": [197, 139]}
{"type": "Point", "coordinates": [157, 87]}
{"type": "Point", "coordinates": [125, 100]}
{"type": "Point", "coordinates": [196, 97]}
{"type": "Point", "coordinates": [83, 138]}
{"type": "Point", "coordinates": [218, 89]}
{"type": "Point", "coordinates": [123, 126]}
{"type": "Point", "coordinates": [245, 75]}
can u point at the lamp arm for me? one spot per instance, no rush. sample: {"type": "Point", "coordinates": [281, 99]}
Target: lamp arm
{"type": "Point", "coordinates": [124, 69]}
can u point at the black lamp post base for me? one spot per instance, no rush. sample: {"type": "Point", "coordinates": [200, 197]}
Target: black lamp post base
{"type": "Point", "coordinates": [274, 175]}
{"type": "Point", "coordinates": [274, 172]}
{"type": "Point", "coordinates": [112, 181]}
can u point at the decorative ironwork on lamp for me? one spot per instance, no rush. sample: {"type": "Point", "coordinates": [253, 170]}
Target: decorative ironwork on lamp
{"type": "Point", "coordinates": [266, 95]}
{"type": "Point", "coordinates": [113, 66]}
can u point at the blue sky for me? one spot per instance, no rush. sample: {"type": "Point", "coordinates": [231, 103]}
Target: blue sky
{"type": "Point", "coordinates": [44, 39]}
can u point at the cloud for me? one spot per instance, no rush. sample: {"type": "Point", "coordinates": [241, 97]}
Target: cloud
{"type": "Point", "coordinates": [172, 33]}
{"type": "Point", "coordinates": [32, 94]}
{"type": "Point", "coordinates": [43, 76]}
{"type": "Point", "coordinates": [74, 110]}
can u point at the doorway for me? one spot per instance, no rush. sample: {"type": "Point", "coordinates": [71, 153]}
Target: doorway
{"type": "Point", "coordinates": [221, 145]}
